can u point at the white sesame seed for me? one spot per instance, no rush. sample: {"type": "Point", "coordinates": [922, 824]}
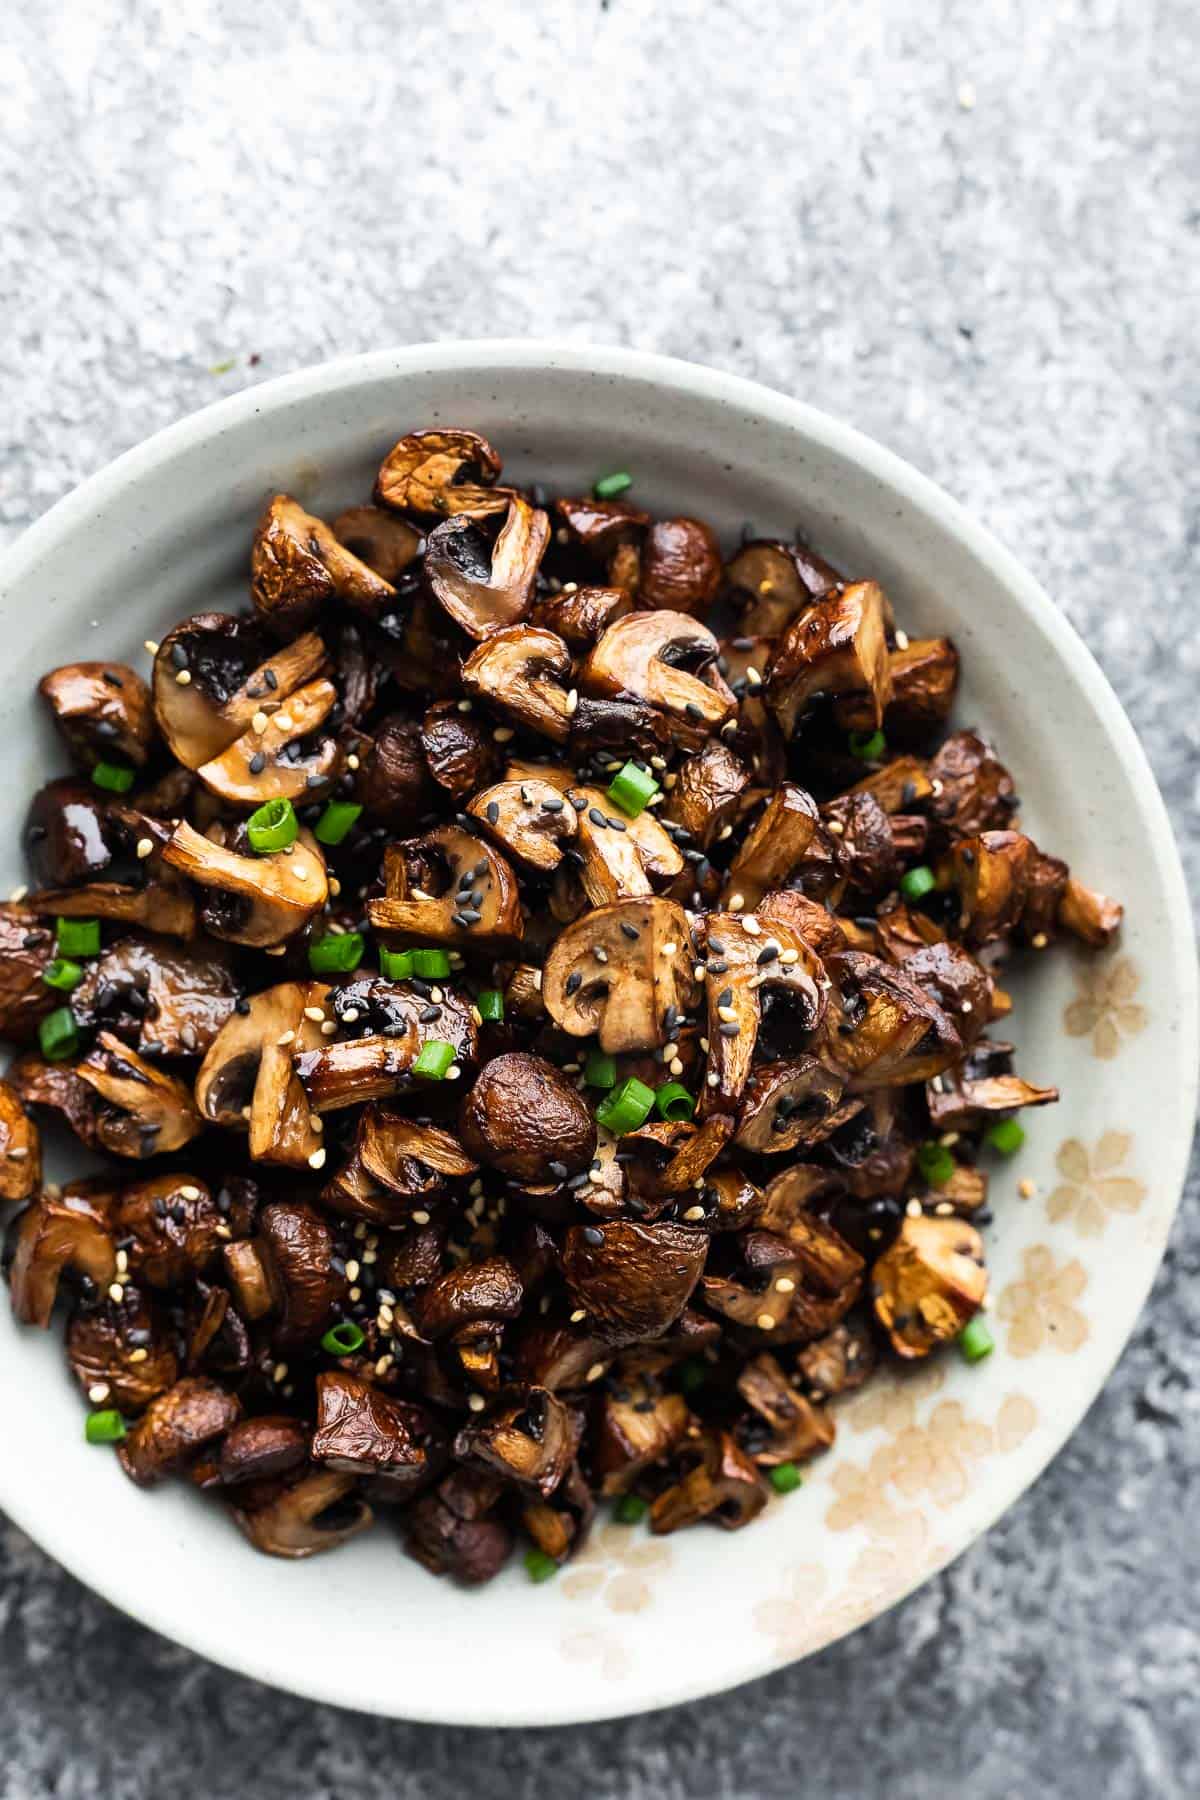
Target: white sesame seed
{"type": "Point", "coordinates": [676, 1065]}
{"type": "Point", "coordinates": [699, 1184]}
{"type": "Point", "coordinates": [698, 971]}
{"type": "Point", "coordinates": [350, 1015]}
{"type": "Point", "coordinates": [316, 1123]}
{"type": "Point", "coordinates": [122, 1261]}
{"type": "Point", "coordinates": [353, 762]}
{"type": "Point", "coordinates": [476, 1402]}
{"type": "Point", "coordinates": [275, 950]}
{"type": "Point", "coordinates": [355, 1293]}
{"type": "Point", "coordinates": [785, 1285]}
{"type": "Point", "coordinates": [222, 1230]}
{"type": "Point", "coordinates": [279, 1372]}
{"type": "Point", "coordinates": [726, 831]}
{"type": "Point", "coordinates": [17, 1154]}
{"type": "Point", "coordinates": [577, 1315]}
{"type": "Point", "coordinates": [713, 1080]}
{"type": "Point", "coordinates": [694, 1212]}
{"type": "Point", "coordinates": [765, 1321]}
{"type": "Point", "coordinates": [595, 1372]}
{"type": "Point", "coordinates": [453, 1072]}
{"type": "Point", "coordinates": [144, 847]}
{"type": "Point", "coordinates": [669, 949]}
{"type": "Point", "coordinates": [704, 1045]}
{"type": "Point", "coordinates": [138, 1355]}
{"type": "Point", "coordinates": [1039, 940]}
{"type": "Point", "coordinates": [18, 894]}
{"type": "Point", "coordinates": [189, 1193]}
{"type": "Point", "coordinates": [670, 781]}
{"type": "Point", "coordinates": [948, 1140]}
{"type": "Point", "coordinates": [1026, 1189]}
{"type": "Point", "coordinates": [360, 1231]}
{"type": "Point", "coordinates": [98, 1391]}
{"type": "Point", "coordinates": [503, 734]}
{"type": "Point", "coordinates": [753, 676]}
{"type": "Point", "coordinates": [736, 902]}
{"type": "Point", "coordinates": [914, 1209]}
{"type": "Point", "coordinates": [152, 645]}
{"type": "Point", "coordinates": [789, 956]}
{"type": "Point", "coordinates": [317, 1013]}
{"type": "Point", "coordinates": [943, 1209]}
{"type": "Point", "coordinates": [183, 677]}
{"type": "Point", "coordinates": [727, 1014]}
{"type": "Point", "coordinates": [116, 1292]}
{"type": "Point", "coordinates": [420, 1218]}
{"type": "Point", "coordinates": [289, 1037]}
{"type": "Point", "coordinates": [283, 721]}
{"type": "Point", "coordinates": [751, 925]}
{"type": "Point", "coordinates": [317, 1159]}
{"type": "Point", "coordinates": [329, 1028]}
{"type": "Point", "coordinates": [572, 701]}
{"type": "Point", "coordinates": [837, 828]}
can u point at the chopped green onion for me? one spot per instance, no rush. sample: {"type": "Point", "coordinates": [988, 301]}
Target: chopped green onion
{"type": "Point", "coordinates": [273, 827]}
{"type": "Point", "coordinates": [1006, 1136]}
{"type": "Point", "coordinates": [975, 1340]}
{"type": "Point", "coordinates": [433, 1059]}
{"type": "Point", "coordinates": [786, 1478]}
{"type": "Point", "coordinates": [491, 1006]}
{"type": "Point", "coordinates": [630, 1510]}
{"type": "Point", "coordinates": [78, 937]}
{"type": "Point", "coordinates": [343, 1339]}
{"type": "Point", "coordinates": [917, 883]}
{"type": "Point", "coordinates": [58, 1035]}
{"type": "Point", "coordinates": [626, 1107]}
{"type": "Point", "coordinates": [116, 777]}
{"type": "Point", "coordinates": [336, 821]}
{"type": "Point", "coordinates": [674, 1103]}
{"type": "Point", "coordinates": [693, 1374]}
{"type": "Point", "coordinates": [107, 1427]}
{"type": "Point", "coordinates": [336, 953]}
{"type": "Point", "coordinates": [539, 1566]}
{"type": "Point", "coordinates": [396, 965]}
{"type": "Point", "coordinates": [631, 789]}
{"type": "Point", "coordinates": [868, 746]}
{"type": "Point", "coordinates": [600, 1070]}
{"type": "Point", "coordinates": [935, 1163]}
{"type": "Point", "coordinates": [63, 974]}
{"type": "Point", "coordinates": [431, 965]}
{"type": "Point", "coordinates": [609, 486]}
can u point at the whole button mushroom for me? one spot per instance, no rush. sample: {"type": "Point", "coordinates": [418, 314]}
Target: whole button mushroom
{"type": "Point", "coordinates": [681, 566]}
{"type": "Point", "coordinates": [524, 1117]}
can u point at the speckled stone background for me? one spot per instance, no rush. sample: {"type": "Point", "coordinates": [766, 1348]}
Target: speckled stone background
{"type": "Point", "coordinates": [970, 226]}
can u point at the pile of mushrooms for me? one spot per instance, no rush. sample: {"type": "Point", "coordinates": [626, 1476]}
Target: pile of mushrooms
{"type": "Point", "coordinates": [527, 983]}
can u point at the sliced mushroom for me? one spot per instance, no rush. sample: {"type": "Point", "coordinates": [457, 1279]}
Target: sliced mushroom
{"type": "Point", "coordinates": [958, 982]}
{"type": "Point", "coordinates": [773, 583]}
{"type": "Point", "coordinates": [260, 901]}
{"type": "Point", "coordinates": [251, 1279]}
{"type": "Point", "coordinates": [123, 1349]}
{"type": "Point", "coordinates": [632, 1280]}
{"type": "Point", "coordinates": [680, 566]}
{"type": "Point", "coordinates": [1091, 917]}
{"type": "Point", "coordinates": [527, 1438]}
{"type": "Point", "coordinates": [262, 1448]}
{"type": "Point", "coordinates": [882, 1028]}
{"type": "Point", "coordinates": [50, 1235]}
{"type": "Point", "coordinates": [20, 1148]}
{"type": "Point", "coordinates": [929, 1283]}
{"type": "Point", "coordinates": [633, 1431]}
{"type": "Point", "coordinates": [960, 1100]}
{"type": "Point", "coordinates": [270, 764]}
{"type": "Point", "coordinates": [248, 1077]}
{"type": "Point", "coordinates": [413, 1161]}
{"type": "Point", "coordinates": [461, 754]}
{"type": "Point", "coordinates": [748, 965]}
{"type": "Point", "coordinates": [213, 673]}
{"type": "Point", "coordinates": [870, 844]}
{"type": "Point", "coordinates": [303, 1514]}
{"type": "Point", "coordinates": [175, 1226]}
{"type": "Point", "coordinates": [580, 615]}
{"type": "Point", "coordinates": [380, 1064]}
{"type": "Point", "coordinates": [660, 658]}
{"type": "Point", "coordinates": [671, 1156]}
{"type": "Point", "coordinates": [790, 1106]}
{"type": "Point", "coordinates": [524, 672]}
{"type": "Point", "coordinates": [26, 952]}
{"type": "Point", "coordinates": [167, 999]}
{"type": "Point", "coordinates": [142, 1111]}
{"type": "Point", "coordinates": [778, 842]}
{"type": "Point", "coordinates": [622, 858]}
{"type": "Point", "coordinates": [705, 798]}
{"type": "Point", "coordinates": [481, 585]}
{"type": "Point", "coordinates": [175, 1427]}
{"type": "Point", "coordinates": [386, 544]}
{"type": "Point", "coordinates": [296, 1246]}
{"type": "Point", "coordinates": [392, 784]}
{"type": "Point", "coordinates": [528, 818]}
{"type": "Point", "coordinates": [601, 526]}
{"type": "Point", "coordinates": [473, 1549]}
{"type": "Point", "coordinates": [297, 566]}
{"type": "Point", "coordinates": [490, 1289]}
{"type": "Point", "coordinates": [437, 474]}
{"type": "Point", "coordinates": [789, 1428]}
{"type": "Point", "coordinates": [841, 1361]}
{"type": "Point", "coordinates": [525, 1118]}
{"type": "Point", "coordinates": [626, 995]}
{"type": "Point", "coordinates": [971, 790]}
{"type": "Point", "coordinates": [924, 680]}
{"type": "Point", "coordinates": [991, 873]}
{"type": "Point", "coordinates": [363, 1432]}
{"type": "Point", "coordinates": [101, 709]}
{"type": "Point", "coordinates": [820, 929]}
{"type": "Point", "coordinates": [836, 646]}
{"type": "Point", "coordinates": [152, 895]}
{"type": "Point", "coordinates": [897, 785]}
{"type": "Point", "coordinates": [724, 1487]}
{"type": "Point", "coordinates": [476, 904]}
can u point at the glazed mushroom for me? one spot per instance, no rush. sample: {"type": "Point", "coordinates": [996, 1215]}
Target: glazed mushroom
{"type": "Point", "coordinates": [528, 817]}
{"type": "Point", "coordinates": [783, 836]}
{"type": "Point", "coordinates": [248, 1078]}
{"type": "Point", "coordinates": [102, 709]}
{"type": "Point", "coordinates": [971, 790]}
{"type": "Point", "coordinates": [387, 544]}
{"type": "Point", "coordinates": [772, 583]}
{"type": "Point", "coordinates": [213, 674]}
{"type": "Point", "coordinates": [621, 857]}
{"type": "Point", "coordinates": [626, 994]}
{"type": "Point", "coordinates": [304, 1513]}
{"type": "Point", "coordinates": [527, 1439]}
{"type": "Point", "coordinates": [991, 873]}
{"type": "Point", "coordinates": [298, 566]}
{"type": "Point", "coordinates": [20, 1148]}
{"type": "Point", "coordinates": [523, 1117]}
{"type": "Point", "coordinates": [121, 1355]}
{"type": "Point", "coordinates": [580, 615]}
{"type": "Point", "coordinates": [269, 762]}
{"type": "Point", "coordinates": [141, 1110]}
{"type": "Point", "coordinates": [706, 796]}
{"type": "Point", "coordinates": [154, 897]}
{"type": "Point", "coordinates": [680, 568]}
{"type": "Point", "coordinates": [175, 1428]}
{"type": "Point", "coordinates": [480, 585]}
{"type": "Point", "coordinates": [467, 1295]}
{"type": "Point", "coordinates": [970, 1094]}
{"type": "Point", "coordinates": [449, 1535]}
{"type": "Point", "coordinates": [393, 782]}
{"type": "Point", "coordinates": [398, 1023]}
{"type": "Point", "coordinates": [476, 905]}
{"type": "Point", "coordinates": [601, 526]}
{"type": "Point", "coordinates": [175, 1227]}
{"type": "Point", "coordinates": [882, 1029]}
{"type": "Point", "coordinates": [724, 1487]}
{"type": "Point", "coordinates": [259, 901]}
{"type": "Point", "coordinates": [661, 658]}
{"type": "Point", "coordinates": [795, 1429]}
{"type": "Point", "coordinates": [296, 1248]}
{"type": "Point", "coordinates": [460, 752]}
{"type": "Point", "coordinates": [437, 474]}
{"type": "Point", "coordinates": [164, 998]}
{"type": "Point", "coordinates": [1091, 917]}
{"type": "Point", "coordinates": [53, 1234]}
{"type": "Point", "coordinates": [924, 677]}
{"type": "Point", "coordinates": [634, 1430]}
{"type": "Point", "coordinates": [836, 646]}
{"type": "Point", "coordinates": [928, 1283]}
{"type": "Point", "coordinates": [749, 963]}
{"type": "Point", "coordinates": [414, 1162]}
{"type": "Point", "coordinates": [791, 1106]}
{"type": "Point", "coordinates": [841, 1361]}
{"type": "Point", "coordinates": [362, 1431]}
{"type": "Point", "coordinates": [262, 1448]}
{"type": "Point", "coordinates": [632, 1280]}
{"type": "Point", "coordinates": [524, 672]}
{"type": "Point", "coordinates": [26, 952]}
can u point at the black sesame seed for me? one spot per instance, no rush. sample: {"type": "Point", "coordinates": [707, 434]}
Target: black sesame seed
{"type": "Point", "coordinates": [592, 1235]}
{"type": "Point", "coordinates": [692, 710]}
{"type": "Point", "coordinates": [493, 811]}
{"type": "Point", "coordinates": [552, 806]}
{"type": "Point", "coordinates": [578, 802]}
{"type": "Point", "coordinates": [725, 997]}
{"type": "Point", "coordinates": [179, 656]}
{"type": "Point", "coordinates": [271, 679]}
{"type": "Point", "coordinates": [768, 954]}
{"type": "Point", "coordinates": [557, 1169]}
{"type": "Point", "coordinates": [313, 781]}
{"type": "Point", "coordinates": [630, 931]}
{"type": "Point", "coordinates": [428, 1014]}
{"type": "Point", "coordinates": [617, 824]}
{"type": "Point", "coordinates": [258, 763]}
{"type": "Point", "coordinates": [573, 982]}
{"type": "Point", "coordinates": [718, 946]}
{"type": "Point", "coordinates": [730, 1030]}
{"type": "Point", "coordinates": [597, 817]}
{"type": "Point", "coordinates": [112, 679]}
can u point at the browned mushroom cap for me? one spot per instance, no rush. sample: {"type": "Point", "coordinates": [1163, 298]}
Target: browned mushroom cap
{"type": "Point", "coordinates": [528, 818]}
{"type": "Point", "coordinates": [599, 526]}
{"type": "Point", "coordinates": [250, 1278]}
{"type": "Point", "coordinates": [84, 839]}
{"type": "Point", "coordinates": [481, 585]}
{"type": "Point", "coordinates": [901, 783]}
{"type": "Point", "coordinates": [213, 673]}
{"type": "Point", "coordinates": [527, 1438]}
{"type": "Point", "coordinates": [705, 797]}
{"type": "Point", "coordinates": [1089, 916]}
{"type": "Point", "coordinates": [797, 1283]}
{"type": "Point", "coordinates": [393, 784]}
{"type": "Point", "coordinates": [271, 763]}
{"type": "Point", "coordinates": [53, 1234]}
{"type": "Point", "coordinates": [258, 900]}
{"type": "Point", "coordinates": [101, 709]}
{"type": "Point", "coordinates": [662, 659]}
{"type": "Point", "coordinates": [297, 566]}
{"type": "Point", "coordinates": [303, 1514]}
{"type": "Point", "coordinates": [248, 1077]}
{"type": "Point", "coordinates": [928, 1283]}
{"type": "Point", "coordinates": [439, 473]}
{"type": "Point", "coordinates": [724, 1487]}
{"type": "Point", "coordinates": [680, 566]}
{"type": "Point", "coordinates": [924, 679]}
{"type": "Point", "coordinates": [967, 1095]}
{"type": "Point", "coordinates": [991, 873]}
{"type": "Point", "coordinates": [449, 1537]}
{"type": "Point", "coordinates": [959, 983]}
{"type": "Point", "coordinates": [781, 838]}
{"type": "Point", "coordinates": [836, 646]}
{"type": "Point", "coordinates": [821, 931]}
{"type": "Point", "coordinates": [1046, 881]}
{"type": "Point", "coordinates": [490, 1289]}
{"type": "Point", "coordinates": [364, 1432]}
{"type": "Point", "coordinates": [452, 887]}
{"type": "Point", "coordinates": [175, 1227]}
{"type": "Point", "coordinates": [626, 994]}
{"type": "Point", "coordinates": [461, 754]}
{"type": "Point", "coordinates": [385, 543]}
{"type": "Point", "coordinates": [412, 1161]}
{"type": "Point", "coordinates": [262, 1448]}
{"type": "Point", "coordinates": [175, 1427]}
{"type": "Point", "coordinates": [57, 1086]}
{"type": "Point", "coordinates": [841, 1361]}
{"type": "Point", "coordinates": [580, 615]}
{"type": "Point", "coordinates": [526, 1119]}
{"type": "Point", "coordinates": [667, 1157]}
{"type": "Point", "coordinates": [557, 1526]}
{"type": "Point", "coordinates": [870, 843]}
{"type": "Point", "coordinates": [123, 1349]}
{"type": "Point", "coordinates": [971, 790]}
{"type": "Point", "coordinates": [296, 1246]}
{"type": "Point", "coordinates": [791, 1105]}
{"type": "Point", "coordinates": [633, 1431]}
{"type": "Point", "coordinates": [796, 1429]}
{"type": "Point", "coordinates": [632, 1280]}
{"type": "Point", "coordinates": [143, 1111]}
{"type": "Point", "coordinates": [882, 1028]}
{"type": "Point", "coordinates": [622, 858]}
{"type": "Point", "coordinates": [168, 1000]}
{"type": "Point", "coordinates": [26, 952]}
{"type": "Point", "coordinates": [20, 1148]}
{"type": "Point", "coordinates": [524, 671]}
{"type": "Point", "coordinates": [749, 963]}
{"type": "Point", "coordinates": [379, 1064]}
{"type": "Point", "coordinates": [772, 583]}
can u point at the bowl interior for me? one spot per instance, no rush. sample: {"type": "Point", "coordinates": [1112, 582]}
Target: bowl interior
{"type": "Point", "coordinates": [916, 1473]}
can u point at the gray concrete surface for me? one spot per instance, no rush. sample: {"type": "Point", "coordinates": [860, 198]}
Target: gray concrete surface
{"type": "Point", "coordinates": [970, 226]}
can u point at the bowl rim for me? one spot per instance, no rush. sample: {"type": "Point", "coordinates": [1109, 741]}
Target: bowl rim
{"type": "Point", "coordinates": [925, 497]}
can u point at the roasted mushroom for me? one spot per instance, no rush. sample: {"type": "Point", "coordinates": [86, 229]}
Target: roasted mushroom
{"type": "Point", "coordinates": [836, 646]}
{"type": "Point", "coordinates": [663, 659]}
{"type": "Point", "coordinates": [471, 898]}
{"type": "Point", "coordinates": [175, 1427]}
{"type": "Point", "coordinates": [256, 900]}
{"type": "Point", "coordinates": [303, 1513]}
{"type": "Point", "coordinates": [20, 1148]}
{"type": "Point", "coordinates": [214, 674]}
{"type": "Point", "coordinates": [248, 1078]}
{"type": "Point", "coordinates": [364, 1432]}
{"type": "Point", "coordinates": [525, 1118]}
{"type": "Point", "coordinates": [70, 1231]}
{"type": "Point", "coordinates": [481, 585]}
{"type": "Point", "coordinates": [298, 565]}
{"type": "Point", "coordinates": [524, 672]}
{"type": "Point", "coordinates": [632, 1280]}
{"type": "Point", "coordinates": [102, 709]}
{"type": "Point", "coordinates": [929, 1283]}
{"type": "Point", "coordinates": [680, 568]}
{"type": "Point", "coordinates": [141, 1111]}
{"type": "Point", "coordinates": [724, 1487]}
{"type": "Point", "coordinates": [626, 994]}
{"type": "Point", "coordinates": [437, 474]}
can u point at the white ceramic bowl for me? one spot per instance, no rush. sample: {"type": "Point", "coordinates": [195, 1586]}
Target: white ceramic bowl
{"type": "Point", "coordinates": [920, 1468]}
